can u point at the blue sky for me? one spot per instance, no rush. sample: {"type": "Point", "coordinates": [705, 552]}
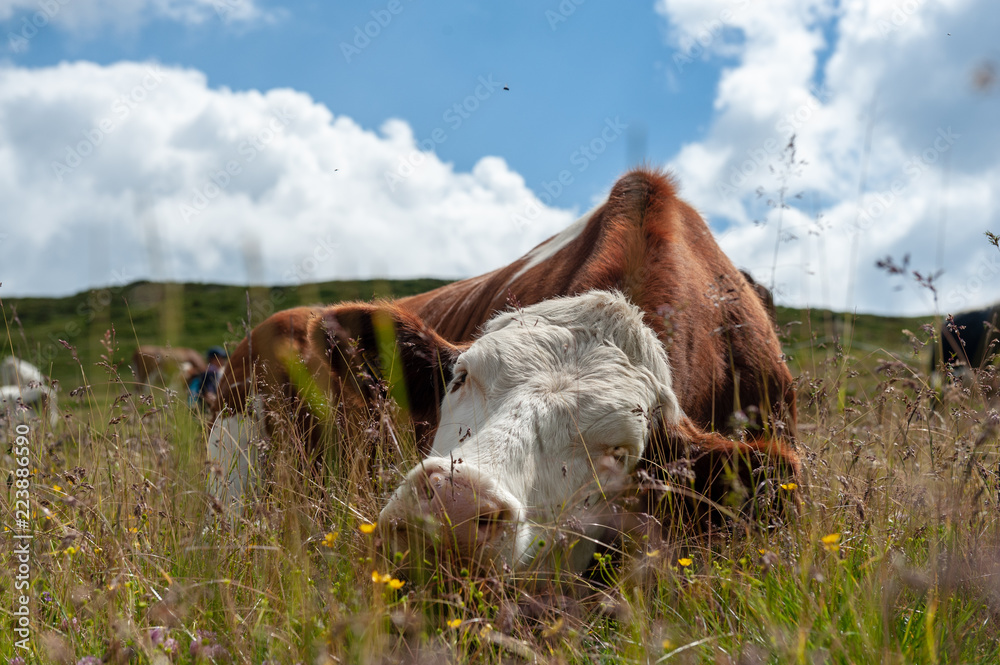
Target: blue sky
{"type": "Point", "coordinates": [566, 75]}
{"type": "Point", "coordinates": [705, 88]}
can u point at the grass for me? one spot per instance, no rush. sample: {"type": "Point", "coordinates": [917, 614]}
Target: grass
{"type": "Point", "coordinates": [894, 557]}
{"type": "Point", "coordinates": [192, 315]}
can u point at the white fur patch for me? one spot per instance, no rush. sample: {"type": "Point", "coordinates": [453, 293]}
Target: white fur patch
{"type": "Point", "coordinates": [17, 372]}
{"type": "Point", "coordinates": [553, 245]}
{"type": "Point", "coordinates": [552, 403]}
{"type": "Point", "coordinates": [23, 393]}
{"type": "Point", "coordinates": [22, 403]}
{"type": "Point", "coordinates": [232, 457]}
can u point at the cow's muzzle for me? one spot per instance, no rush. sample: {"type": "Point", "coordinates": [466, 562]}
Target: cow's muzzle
{"type": "Point", "coordinates": [444, 510]}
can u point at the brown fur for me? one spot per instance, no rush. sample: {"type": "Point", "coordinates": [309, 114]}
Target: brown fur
{"type": "Point", "coordinates": [656, 249]}
{"type": "Point", "coordinates": [644, 241]}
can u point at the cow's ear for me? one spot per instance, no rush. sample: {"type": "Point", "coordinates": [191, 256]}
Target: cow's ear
{"type": "Point", "coordinates": [381, 347]}
{"type": "Point", "coordinates": [721, 478]}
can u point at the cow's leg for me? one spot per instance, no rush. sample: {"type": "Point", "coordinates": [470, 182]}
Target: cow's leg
{"type": "Point", "coordinates": [232, 456]}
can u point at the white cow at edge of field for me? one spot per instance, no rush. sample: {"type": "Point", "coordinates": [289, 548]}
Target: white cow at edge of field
{"type": "Point", "coordinates": [23, 391]}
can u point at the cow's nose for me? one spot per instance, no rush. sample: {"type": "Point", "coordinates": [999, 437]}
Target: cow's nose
{"type": "Point", "coordinates": [453, 510]}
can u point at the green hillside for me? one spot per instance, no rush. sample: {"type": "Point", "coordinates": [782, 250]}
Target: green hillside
{"type": "Point", "coordinates": [202, 315]}
{"type": "Point", "coordinates": [192, 315]}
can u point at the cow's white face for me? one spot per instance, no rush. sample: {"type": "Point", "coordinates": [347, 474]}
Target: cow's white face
{"type": "Point", "coordinates": [550, 405]}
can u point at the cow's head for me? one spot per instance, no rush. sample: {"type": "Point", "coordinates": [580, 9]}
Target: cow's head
{"type": "Point", "coordinates": [552, 404]}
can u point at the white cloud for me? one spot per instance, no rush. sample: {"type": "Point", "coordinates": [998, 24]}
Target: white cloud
{"type": "Point", "coordinates": [87, 17]}
{"type": "Point", "coordinates": [932, 170]}
{"type": "Point", "coordinates": [122, 169]}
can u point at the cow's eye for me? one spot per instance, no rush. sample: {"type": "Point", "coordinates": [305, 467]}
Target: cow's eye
{"type": "Point", "coordinates": [620, 454]}
{"type": "Point", "coordinates": [459, 380]}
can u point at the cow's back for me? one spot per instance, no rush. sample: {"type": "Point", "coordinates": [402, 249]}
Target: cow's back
{"type": "Point", "coordinates": [647, 243]}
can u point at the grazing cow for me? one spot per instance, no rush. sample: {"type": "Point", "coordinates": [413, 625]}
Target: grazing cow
{"type": "Point", "coordinates": [971, 342]}
{"type": "Point", "coordinates": [161, 366]}
{"type": "Point", "coordinates": [548, 411]}
{"type": "Point", "coordinates": [23, 391]}
{"type": "Point", "coordinates": [725, 367]}
{"type": "Point", "coordinates": [17, 372]}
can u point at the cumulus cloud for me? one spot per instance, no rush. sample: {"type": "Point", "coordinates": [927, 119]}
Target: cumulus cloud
{"type": "Point", "coordinates": [25, 18]}
{"type": "Point", "coordinates": [896, 151]}
{"type": "Point", "coordinates": [112, 173]}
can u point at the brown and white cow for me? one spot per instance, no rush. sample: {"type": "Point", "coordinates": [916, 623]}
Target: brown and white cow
{"type": "Point", "coordinates": [161, 365]}
{"type": "Point", "coordinates": [708, 324]}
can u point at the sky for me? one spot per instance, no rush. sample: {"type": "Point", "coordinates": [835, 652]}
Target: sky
{"type": "Point", "coordinates": [253, 141]}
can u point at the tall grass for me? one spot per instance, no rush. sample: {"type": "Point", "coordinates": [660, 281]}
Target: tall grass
{"type": "Point", "coordinates": [894, 556]}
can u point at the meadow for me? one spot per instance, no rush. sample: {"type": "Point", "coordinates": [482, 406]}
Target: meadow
{"type": "Point", "coordinates": [894, 556]}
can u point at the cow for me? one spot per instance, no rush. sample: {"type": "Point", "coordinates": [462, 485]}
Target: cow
{"type": "Point", "coordinates": [25, 392]}
{"type": "Point", "coordinates": [17, 372]}
{"type": "Point", "coordinates": [161, 366]}
{"type": "Point", "coordinates": [970, 341]}
{"type": "Point", "coordinates": [726, 371]}
{"type": "Point", "coordinates": [547, 412]}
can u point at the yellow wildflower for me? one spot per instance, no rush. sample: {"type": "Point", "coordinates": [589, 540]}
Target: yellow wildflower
{"type": "Point", "coordinates": [329, 538]}
{"type": "Point", "coordinates": [367, 528]}
{"type": "Point", "coordinates": [396, 584]}
{"type": "Point", "coordinates": [789, 486]}
{"type": "Point", "coordinates": [685, 561]}
{"type": "Point", "coordinates": [831, 542]}
{"type": "Point", "coordinates": [454, 623]}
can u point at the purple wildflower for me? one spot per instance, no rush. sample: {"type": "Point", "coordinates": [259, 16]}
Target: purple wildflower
{"type": "Point", "coordinates": [171, 647]}
{"type": "Point", "coordinates": [157, 634]}
{"type": "Point", "coordinates": [205, 646]}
